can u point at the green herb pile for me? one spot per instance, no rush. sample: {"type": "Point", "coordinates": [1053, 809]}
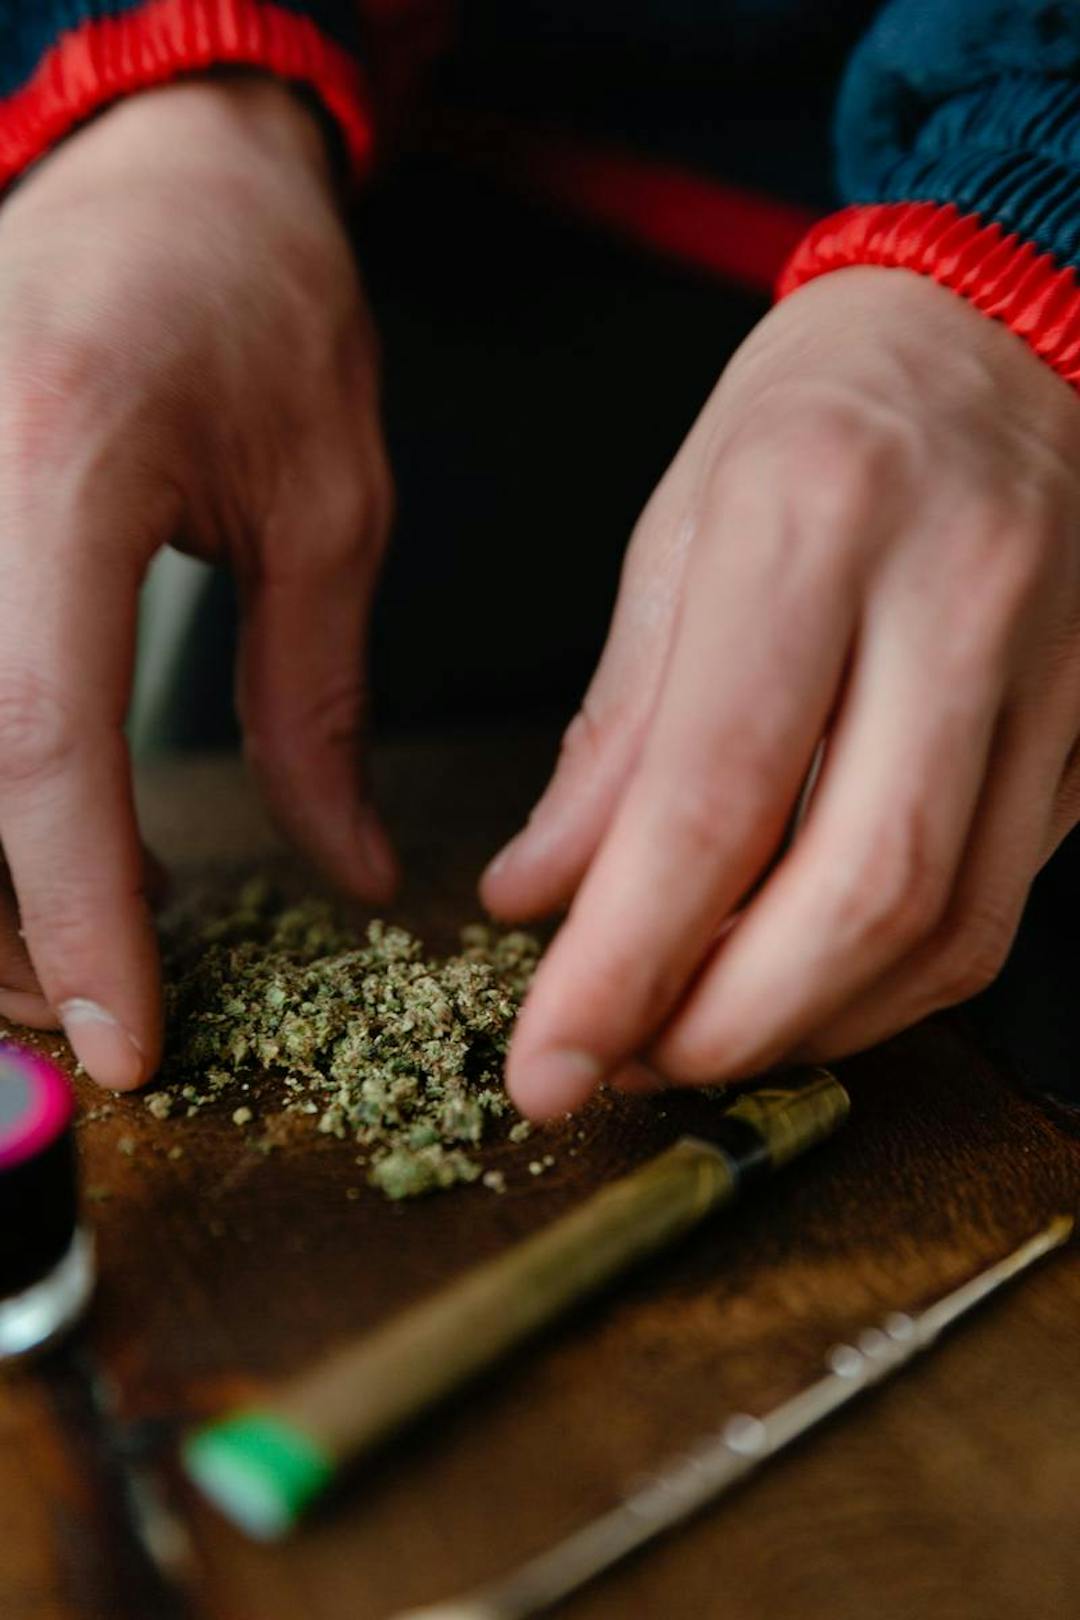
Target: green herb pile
{"type": "Point", "coordinates": [278, 1009]}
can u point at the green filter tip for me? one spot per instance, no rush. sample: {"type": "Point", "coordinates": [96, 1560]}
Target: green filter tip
{"type": "Point", "coordinates": [258, 1470]}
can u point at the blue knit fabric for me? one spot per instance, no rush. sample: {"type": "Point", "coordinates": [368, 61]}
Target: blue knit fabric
{"type": "Point", "coordinates": [29, 27]}
{"type": "Point", "coordinates": [971, 102]}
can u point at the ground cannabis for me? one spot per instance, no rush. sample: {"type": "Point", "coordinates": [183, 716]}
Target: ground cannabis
{"type": "Point", "coordinates": [275, 1009]}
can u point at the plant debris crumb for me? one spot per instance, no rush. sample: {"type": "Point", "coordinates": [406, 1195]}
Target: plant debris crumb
{"type": "Point", "coordinates": [370, 1039]}
{"type": "Point", "coordinates": [99, 1112]}
{"type": "Point", "coordinates": [494, 1181]}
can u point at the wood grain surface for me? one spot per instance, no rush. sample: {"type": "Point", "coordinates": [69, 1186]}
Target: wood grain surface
{"type": "Point", "coordinates": [952, 1492]}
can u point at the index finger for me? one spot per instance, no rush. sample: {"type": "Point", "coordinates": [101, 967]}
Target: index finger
{"type": "Point", "coordinates": [758, 658]}
{"type": "Point", "coordinates": [67, 819]}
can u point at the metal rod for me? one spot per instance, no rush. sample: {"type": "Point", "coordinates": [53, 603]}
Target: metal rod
{"type": "Point", "coordinates": [688, 1483]}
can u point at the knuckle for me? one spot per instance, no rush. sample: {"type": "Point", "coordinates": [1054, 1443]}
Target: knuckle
{"type": "Point", "coordinates": [342, 519]}
{"type": "Point", "coordinates": [700, 811]}
{"type": "Point", "coordinates": [344, 516]}
{"type": "Point", "coordinates": [582, 741]}
{"type": "Point", "coordinates": [330, 720]}
{"type": "Point", "coordinates": [53, 384]}
{"type": "Point", "coordinates": [37, 731]}
{"type": "Point", "coordinates": [50, 367]}
{"type": "Point", "coordinates": [737, 806]}
{"type": "Point", "coordinates": [335, 714]}
{"type": "Point", "coordinates": [600, 738]}
{"type": "Point", "coordinates": [1021, 568]}
{"type": "Point", "coordinates": [891, 897]}
{"type": "Point", "coordinates": [56, 917]}
{"type": "Point", "coordinates": [838, 462]}
{"type": "Point", "coordinates": [998, 560]}
{"type": "Point", "coordinates": [828, 451]}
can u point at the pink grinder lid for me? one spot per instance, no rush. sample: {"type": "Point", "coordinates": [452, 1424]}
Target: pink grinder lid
{"type": "Point", "coordinates": [35, 1105]}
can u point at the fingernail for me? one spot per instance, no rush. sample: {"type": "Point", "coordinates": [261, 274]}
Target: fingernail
{"type": "Point", "coordinates": [533, 841]}
{"type": "Point", "coordinates": [555, 1082]}
{"type": "Point", "coordinates": [501, 861]}
{"type": "Point", "coordinates": [106, 1051]}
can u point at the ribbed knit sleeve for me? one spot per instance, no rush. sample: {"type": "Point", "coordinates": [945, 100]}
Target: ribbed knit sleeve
{"type": "Point", "coordinates": [959, 149]}
{"type": "Point", "coordinates": [62, 60]}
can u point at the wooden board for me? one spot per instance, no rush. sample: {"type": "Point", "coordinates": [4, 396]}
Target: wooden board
{"type": "Point", "coordinates": [952, 1492]}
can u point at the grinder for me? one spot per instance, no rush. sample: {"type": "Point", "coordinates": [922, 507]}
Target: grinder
{"type": "Point", "coordinates": [46, 1260]}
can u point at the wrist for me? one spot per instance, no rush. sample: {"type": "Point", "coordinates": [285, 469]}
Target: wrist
{"type": "Point", "coordinates": [245, 110]}
{"type": "Point", "coordinates": [1003, 275]}
{"type": "Point", "coordinates": [219, 122]}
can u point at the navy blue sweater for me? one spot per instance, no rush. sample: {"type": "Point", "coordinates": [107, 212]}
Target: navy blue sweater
{"type": "Point", "coordinates": [958, 127]}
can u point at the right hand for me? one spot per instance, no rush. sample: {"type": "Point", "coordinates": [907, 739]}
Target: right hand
{"type": "Point", "coordinates": [185, 358]}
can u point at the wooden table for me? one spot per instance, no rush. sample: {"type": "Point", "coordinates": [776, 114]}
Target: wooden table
{"type": "Point", "coordinates": [953, 1492]}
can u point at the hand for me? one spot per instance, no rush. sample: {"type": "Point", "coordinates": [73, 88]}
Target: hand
{"type": "Point", "coordinates": [872, 536]}
{"type": "Point", "coordinates": [185, 358]}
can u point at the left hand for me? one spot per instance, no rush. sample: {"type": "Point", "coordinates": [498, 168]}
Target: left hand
{"type": "Point", "coordinates": [186, 358]}
{"type": "Point", "coordinates": [872, 536]}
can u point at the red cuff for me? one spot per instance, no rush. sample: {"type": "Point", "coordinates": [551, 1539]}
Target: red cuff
{"type": "Point", "coordinates": [1001, 274]}
{"type": "Point", "coordinates": [99, 61]}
